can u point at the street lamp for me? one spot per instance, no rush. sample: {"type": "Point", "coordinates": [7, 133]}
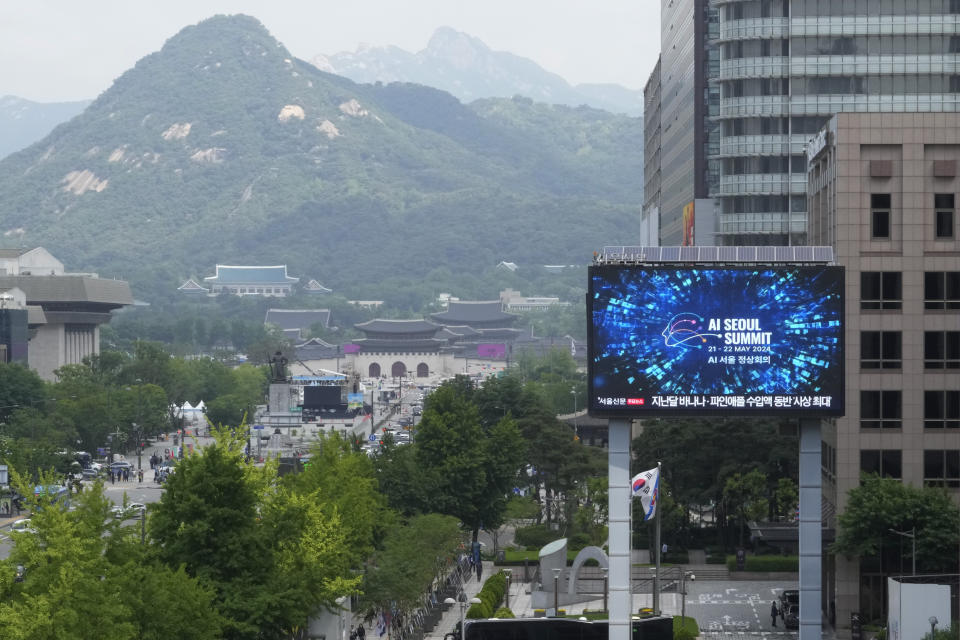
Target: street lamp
{"type": "Point", "coordinates": [463, 607]}
{"type": "Point", "coordinates": [139, 423]}
{"type": "Point", "coordinates": [933, 626]}
{"type": "Point", "coordinates": [573, 392]}
{"type": "Point", "coordinates": [509, 573]}
{"type": "Point", "coordinates": [683, 592]}
{"type": "Point", "coordinates": [912, 534]}
{"type": "Point", "coordinates": [556, 593]}
{"type": "Point", "coordinates": [605, 586]}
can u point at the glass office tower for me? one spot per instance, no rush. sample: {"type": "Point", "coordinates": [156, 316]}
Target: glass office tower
{"type": "Point", "coordinates": [787, 65]}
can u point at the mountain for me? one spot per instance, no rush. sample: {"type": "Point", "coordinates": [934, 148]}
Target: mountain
{"type": "Point", "coordinates": [467, 68]}
{"type": "Point", "coordinates": [223, 148]}
{"type": "Point", "coordinates": [23, 122]}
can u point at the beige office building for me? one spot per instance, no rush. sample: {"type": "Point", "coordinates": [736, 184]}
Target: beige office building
{"type": "Point", "coordinates": [882, 190]}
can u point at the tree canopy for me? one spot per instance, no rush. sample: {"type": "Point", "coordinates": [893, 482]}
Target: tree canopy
{"type": "Point", "coordinates": [881, 504]}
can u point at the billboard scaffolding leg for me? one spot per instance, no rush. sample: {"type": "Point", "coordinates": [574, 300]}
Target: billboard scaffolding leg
{"type": "Point", "coordinates": [810, 529]}
{"type": "Point", "coordinates": [621, 598]}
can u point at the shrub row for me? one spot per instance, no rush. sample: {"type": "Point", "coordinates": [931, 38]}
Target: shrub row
{"type": "Point", "coordinates": [536, 535]}
{"type": "Point", "coordinates": [765, 563]}
{"type": "Point", "coordinates": [491, 595]}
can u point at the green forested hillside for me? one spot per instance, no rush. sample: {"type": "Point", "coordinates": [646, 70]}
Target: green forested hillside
{"type": "Point", "coordinates": [221, 147]}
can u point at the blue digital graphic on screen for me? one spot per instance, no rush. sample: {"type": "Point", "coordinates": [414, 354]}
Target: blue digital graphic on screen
{"type": "Point", "coordinates": [713, 340]}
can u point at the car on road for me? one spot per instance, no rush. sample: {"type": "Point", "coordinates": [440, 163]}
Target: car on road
{"type": "Point", "coordinates": [90, 474]}
{"type": "Point", "coordinates": [132, 510]}
{"type": "Point", "coordinates": [22, 526]}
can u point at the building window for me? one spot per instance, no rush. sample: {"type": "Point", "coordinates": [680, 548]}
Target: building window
{"type": "Point", "coordinates": [941, 409]}
{"type": "Point", "coordinates": [941, 349]}
{"type": "Point", "coordinates": [881, 290]}
{"type": "Point", "coordinates": [880, 410]}
{"type": "Point", "coordinates": [943, 215]}
{"type": "Point", "coordinates": [880, 350]}
{"type": "Point", "coordinates": [880, 216]}
{"type": "Point", "coordinates": [941, 468]}
{"type": "Point", "coordinates": [887, 463]}
{"type": "Point", "coordinates": [941, 290]}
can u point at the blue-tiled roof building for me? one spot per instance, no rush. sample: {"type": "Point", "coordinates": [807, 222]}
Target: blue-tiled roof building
{"type": "Point", "coordinates": [251, 280]}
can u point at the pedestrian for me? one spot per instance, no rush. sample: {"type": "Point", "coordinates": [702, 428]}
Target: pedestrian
{"type": "Point", "coordinates": [479, 571]}
{"type": "Point", "coordinates": [773, 613]}
{"type": "Point", "coordinates": [361, 633]}
{"type": "Point", "coordinates": [140, 475]}
{"type": "Point", "coordinates": [113, 477]}
{"type": "Point", "coordinates": [126, 474]}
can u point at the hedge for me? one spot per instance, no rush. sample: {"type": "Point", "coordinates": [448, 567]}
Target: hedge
{"type": "Point", "coordinates": [503, 612]}
{"type": "Point", "coordinates": [685, 628]}
{"type": "Point", "coordinates": [490, 595]}
{"type": "Point", "coordinates": [536, 535]}
{"type": "Point", "coordinates": [766, 563]}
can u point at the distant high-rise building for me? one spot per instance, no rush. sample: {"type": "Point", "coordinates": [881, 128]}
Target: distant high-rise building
{"type": "Point", "coordinates": [744, 84]}
{"type": "Point", "coordinates": [681, 136]}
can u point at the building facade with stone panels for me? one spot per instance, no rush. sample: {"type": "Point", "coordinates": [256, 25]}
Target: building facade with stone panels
{"type": "Point", "coordinates": [251, 280]}
{"type": "Point", "coordinates": [73, 306]}
{"type": "Point", "coordinates": [883, 190]}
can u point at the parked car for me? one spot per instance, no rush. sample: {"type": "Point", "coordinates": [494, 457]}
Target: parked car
{"type": "Point", "coordinates": [791, 617]}
{"type": "Point", "coordinates": [22, 526]}
{"type": "Point", "coordinates": [789, 597]}
{"type": "Point", "coordinates": [132, 510]}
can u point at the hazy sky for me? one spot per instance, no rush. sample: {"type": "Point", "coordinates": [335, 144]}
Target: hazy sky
{"type": "Point", "coordinates": [54, 50]}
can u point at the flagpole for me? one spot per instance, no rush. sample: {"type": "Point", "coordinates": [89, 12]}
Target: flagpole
{"type": "Point", "coordinates": [656, 545]}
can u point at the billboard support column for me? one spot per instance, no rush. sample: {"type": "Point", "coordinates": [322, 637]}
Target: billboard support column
{"type": "Point", "coordinates": [810, 529]}
{"type": "Point", "coordinates": [621, 598]}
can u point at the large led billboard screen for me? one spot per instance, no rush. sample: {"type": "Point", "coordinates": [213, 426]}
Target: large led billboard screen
{"type": "Point", "coordinates": [677, 340]}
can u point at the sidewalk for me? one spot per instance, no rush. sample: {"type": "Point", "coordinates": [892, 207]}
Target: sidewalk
{"type": "Point", "coordinates": [450, 618]}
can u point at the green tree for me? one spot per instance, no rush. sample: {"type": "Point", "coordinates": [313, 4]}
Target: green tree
{"type": "Point", "coordinates": [473, 468]}
{"type": "Point", "coordinates": [19, 387]}
{"type": "Point", "coordinates": [345, 484]}
{"type": "Point", "coordinates": [85, 578]}
{"type": "Point", "coordinates": [746, 495]}
{"type": "Point", "coordinates": [786, 499]}
{"type": "Point", "coordinates": [411, 557]}
{"type": "Point", "coordinates": [880, 504]}
{"type": "Point", "coordinates": [272, 556]}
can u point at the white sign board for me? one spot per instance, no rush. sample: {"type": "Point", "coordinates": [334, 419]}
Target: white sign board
{"type": "Point", "coordinates": [912, 606]}
{"type": "Point", "coordinates": [4, 475]}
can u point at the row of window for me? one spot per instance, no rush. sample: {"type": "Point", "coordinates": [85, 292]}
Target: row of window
{"type": "Point", "coordinates": [884, 290]}
{"type": "Point", "coordinates": [818, 8]}
{"type": "Point", "coordinates": [824, 8]}
{"type": "Point", "coordinates": [881, 213]}
{"type": "Point", "coordinates": [940, 467]}
{"type": "Point", "coordinates": [249, 290]}
{"type": "Point", "coordinates": [762, 204]}
{"type": "Point", "coordinates": [884, 409]}
{"type": "Point", "coordinates": [872, 45]}
{"type": "Point", "coordinates": [883, 350]}
{"type": "Point", "coordinates": [877, 85]}
{"type": "Point", "coordinates": [769, 126]}
{"type": "Point", "coordinates": [764, 164]}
